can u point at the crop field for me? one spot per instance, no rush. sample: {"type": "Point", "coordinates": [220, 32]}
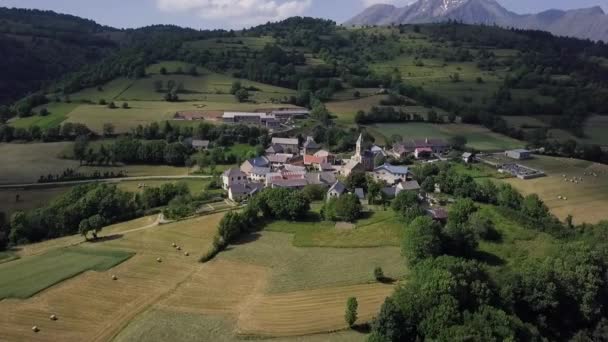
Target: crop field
{"type": "Point", "coordinates": [109, 92]}
{"type": "Point", "coordinates": [346, 110]}
{"type": "Point", "coordinates": [195, 185]}
{"type": "Point", "coordinates": [381, 228]}
{"type": "Point", "coordinates": [58, 112]}
{"type": "Point", "coordinates": [585, 201]}
{"type": "Point", "coordinates": [478, 137]}
{"type": "Point", "coordinates": [25, 163]}
{"type": "Point", "coordinates": [27, 276]}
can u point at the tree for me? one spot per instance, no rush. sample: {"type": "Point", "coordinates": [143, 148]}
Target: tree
{"type": "Point", "coordinates": [108, 129]}
{"type": "Point", "coordinates": [451, 117]}
{"type": "Point", "coordinates": [236, 86]}
{"type": "Point", "coordinates": [432, 116]}
{"type": "Point", "coordinates": [125, 105]}
{"type": "Point", "coordinates": [163, 71]}
{"type": "Point", "coordinates": [422, 240]}
{"type": "Point", "coordinates": [158, 86]}
{"type": "Point", "coordinates": [406, 204]}
{"type": "Point", "coordinates": [112, 105]}
{"type": "Point", "coordinates": [350, 315]}
{"type": "Point", "coordinates": [242, 95]}
{"type": "Point", "coordinates": [314, 192]}
{"type": "Point", "coordinates": [458, 142]}
{"type": "Point", "coordinates": [379, 274]}
{"type": "Point", "coordinates": [102, 102]}
{"type": "Point", "coordinates": [390, 323]}
{"type": "Point", "coordinates": [80, 147]}
{"type": "Point", "coordinates": [348, 207]}
{"type": "Point", "coordinates": [483, 227]}
{"type": "Point", "coordinates": [44, 112]}
{"type": "Point", "coordinates": [175, 154]}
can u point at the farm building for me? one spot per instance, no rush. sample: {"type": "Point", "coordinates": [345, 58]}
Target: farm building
{"type": "Point", "coordinates": [240, 192]}
{"type": "Point", "coordinates": [423, 152]}
{"type": "Point", "coordinates": [519, 154]}
{"type": "Point", "coordinates": [287, 114]}
{"type": "Point", "coordinates": [251, 118]}
{"type": "Point", "coordinates": [408, 147]}
{"type": "Point", "coordinates": [289, 145]}
{"type": "Point", "coordinates": [468, 157]}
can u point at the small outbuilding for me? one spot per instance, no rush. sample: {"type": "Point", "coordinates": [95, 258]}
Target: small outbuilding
{"type": "Point", "coordinates": [519, 154]}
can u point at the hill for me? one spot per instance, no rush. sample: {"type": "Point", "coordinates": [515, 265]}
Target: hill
{"type": "Point", "coordinates": [589, 23]}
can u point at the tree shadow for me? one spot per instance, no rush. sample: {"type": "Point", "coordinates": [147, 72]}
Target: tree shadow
{"type": "Point", "coordinates": [488, 258]}
{"type": "Point", "coordinates": [107, 238]}
{"type": "Point", "coordinates": [387, 280]}
{"type": "Point", "coordinates": [245, 239]}
{"type": "Point", "coordinates": [363, 328]}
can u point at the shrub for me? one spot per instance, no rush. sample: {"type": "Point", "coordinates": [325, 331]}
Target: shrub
{"type": "Point", "coordinates": [379, 274]}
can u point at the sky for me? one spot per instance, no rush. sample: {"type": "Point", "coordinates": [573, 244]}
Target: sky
{"type": "Point", "coordinates": [234, 14]}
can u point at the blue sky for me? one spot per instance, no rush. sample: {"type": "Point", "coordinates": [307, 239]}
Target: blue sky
{"type": "Point", "coordinates": [240, 13]}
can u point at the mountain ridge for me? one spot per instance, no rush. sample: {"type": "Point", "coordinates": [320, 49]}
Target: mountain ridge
{"type": "Point", "coordinates": [586, 23]}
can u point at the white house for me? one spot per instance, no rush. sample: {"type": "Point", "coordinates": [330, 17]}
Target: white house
{"type": "Point", "coordinates": [258, 174]}
{"type": "Point", "coordinates": [240, 192]}
{"type": "Point", "coordinates": [391, 174]}
{"type": "Point", "coordinates": [232, 177]}
{"type": "Point", "coordinates": [336, 190]}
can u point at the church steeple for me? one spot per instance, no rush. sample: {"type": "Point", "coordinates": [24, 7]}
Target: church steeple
{"type": "Point", "coordinates": [359, 150]}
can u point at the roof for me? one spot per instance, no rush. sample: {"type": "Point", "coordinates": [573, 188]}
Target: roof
{"type": "Point", "coordinates": [232, 172]}
{"type": "Point", "coordinates": [376, 149]}
{"type": "Point", "coordinates": [438, 213]}
{"type": "Point", "coordinates": [294, 111]}
{"type": "Point", "coordinates": [289, 183]}
{"type": "Point", "coordinates": [351, 165]}
{"type": "Point", "coordinates": [467, 155]}
{"type": "Point", "coordinates": [249, 189]}
{"type": "Point", "coordinates": [309, 160]}
{"type": "Point", "coordinates": [322, 153]}
{"type": "Point", "coordinates": [294, 168]}
{"type": "Point", "coordinates": [281, 158]}
{"type": "Point", "coordinates": [260, 170]}
{"type": "Point", "coordinates": [338, 187]}
{"type": "Point", "coordinates": [311, 143]}
{"type": "Point", "coordinates": [200, 143]}
{"type": "Point", "coordinates": [259, 162]}
{"type": "Point", "coordinates": [409, 185]}
{"type": "Point", "coordinates": [389, 191]}
{"type": "Point", "coordinates": [519, 150]}
{"type": "Point", "coordinates": [232, 115]}
{"type": "Point", "coordinates": [424, 149]}
{"type": "Point", "coordinates": [285, 141]}
{"type": "Point", "coordinates": [393, 169]}
{"type": "Point", "coordinates": [275, 149]}
{"type": "Point", "coordinates": [326, 167]}
{"type": "Point", "coordinates": [321, 178]}
{"type": "Point", "coordinates": [360, 193]}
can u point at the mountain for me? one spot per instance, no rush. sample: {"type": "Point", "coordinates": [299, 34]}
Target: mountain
{"type": "Point", "coordinates": [590, 23]}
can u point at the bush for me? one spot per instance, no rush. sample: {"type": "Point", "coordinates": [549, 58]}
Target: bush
{"type": "Point", "coordinates": [350, 315]}
{"type": "Point", "coordinates": [379, 274]}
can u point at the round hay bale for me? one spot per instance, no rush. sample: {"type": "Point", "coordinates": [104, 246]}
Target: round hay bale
{"type": "Point", "coordinates": [565, 198]}
{"type": "Point", "coordinates": [35, 329]}
{"type": "Point", "coordinates": [174, 245]}
{"type": "Point", "coordinates": [179, 248]}
{"type": "Point", "coordinates": [159, 260]}
{"type": "Point", "coordinates": [53, 318]}
{"type": "Point", "coordinates": [114, 277]}
{"type": "Point", "coordinates": [187, 254]}
{"type": "Point", "coordinates": [559, 197]}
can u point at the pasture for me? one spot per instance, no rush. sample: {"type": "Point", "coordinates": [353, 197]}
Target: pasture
{"type": "Point", "coordinates": [27, 276]}
{"type": "Point", "coordinates": [29, 198]}
{"type": "Point", "coordinates": [478, 137]}
{"type": "Point", "coordinates": [586, 201]}
{"type": "Point", "coordinates": [58, 112]}
{"type": "Point", "coordinates": [25, 163]}
{"type": "Point", "coordinates": [380, 228]}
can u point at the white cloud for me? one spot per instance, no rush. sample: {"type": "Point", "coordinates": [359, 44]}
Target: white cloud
{"type": "Point", "coordinates": [242, 12]}
{"type": "Point", "coordinates": [387, 2]}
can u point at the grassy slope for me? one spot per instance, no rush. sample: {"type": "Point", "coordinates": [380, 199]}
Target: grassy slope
{"type": "Point", "coordinates": [58, 112]}
{"type": "Point", "coordinates": [381, 228]}
{"type": "Point", "coordinates": [478, 137]}
{"type": "Point", "coordinates": [25, 277]}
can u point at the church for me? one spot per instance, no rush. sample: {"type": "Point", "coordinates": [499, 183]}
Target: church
{"type": "Point", "coordinates": [364, 157]}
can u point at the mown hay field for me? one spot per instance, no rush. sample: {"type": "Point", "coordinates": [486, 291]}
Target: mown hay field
{"type": "Point", "coordinates": [27, 276]}
{"type": "Point", "coordinates": [586, 201]}
{"type": "Point", "coordinates": [92, 306]}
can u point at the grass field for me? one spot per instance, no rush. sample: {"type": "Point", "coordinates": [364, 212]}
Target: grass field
{"type": "Point", "coordinates": [478, 137]}
{"type": "Point", "coordinates": [25, 163]}
{"type": "Point", "coordinates": [29, 198]}
{"type": "Point", "coordinates": [346, 110]}
{"type": "Point", "coordinates": [381, 228]}
{"type": "Point", "coordinates": [595, 130]}
{"type": "Point", "coordinates": [25, 277]}
{"type": "Point", "coordinates": [58, 112]}
{"type": "Point", "coordinates": [195, 185]}
{"type": "Point", "coordinates": [586, 201]}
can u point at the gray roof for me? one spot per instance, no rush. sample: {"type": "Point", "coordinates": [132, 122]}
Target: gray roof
{"type": "Point", "coordinates": [338, 187]}
{"type": "Point", "coordinates": [467, 155]}
{"type": "Point", "coordinates": [200, 143]}
{"type": "Point", "coordinates": [389, 191]}
{"type": "Point", "coordinates": [409, 185]}
{"type": "Point", "coordinates": [279, 158]}
{"type": "Point", "coordinates": [250, 188]}
{"type": "Point", "coordinates": [393, 169]}
{"type": "Point", "coordinates": [289, 183]}
{"type": "Point", "coordinates": [360, 193]}
{"type": "Point", "coordinates": [260, 170]}
{"type": "Point", "coordinates": [311, 143]}
{"type": "Point", "coordinates": [233, 172]}
{"type": "Point", "coordinates": [351, 165]}
{"type": "Point", "coordinates": [275, 149]}
{"type": "Point", "coordinates": [285, 141]}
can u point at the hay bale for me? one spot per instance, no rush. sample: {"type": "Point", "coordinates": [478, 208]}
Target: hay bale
{"type": "Point", "coordinates": [187, 254]}
{"type": "Point", "coordinates": [559, 197]}
{"type": "Point", "coordinates": [114, 277]}
{"type": "Point", "coordinates": [159, 260]}
{"type": "Point", "coordinates": [565, 198]}
{"type": "Point", "coordinates": [53, 318]}
{"type": "Point", "coordinates": [174, 245]}
{"type": "Point", "coordinates": [179, 248]}
{"type": "Point", "coordinates": [35, 329]}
